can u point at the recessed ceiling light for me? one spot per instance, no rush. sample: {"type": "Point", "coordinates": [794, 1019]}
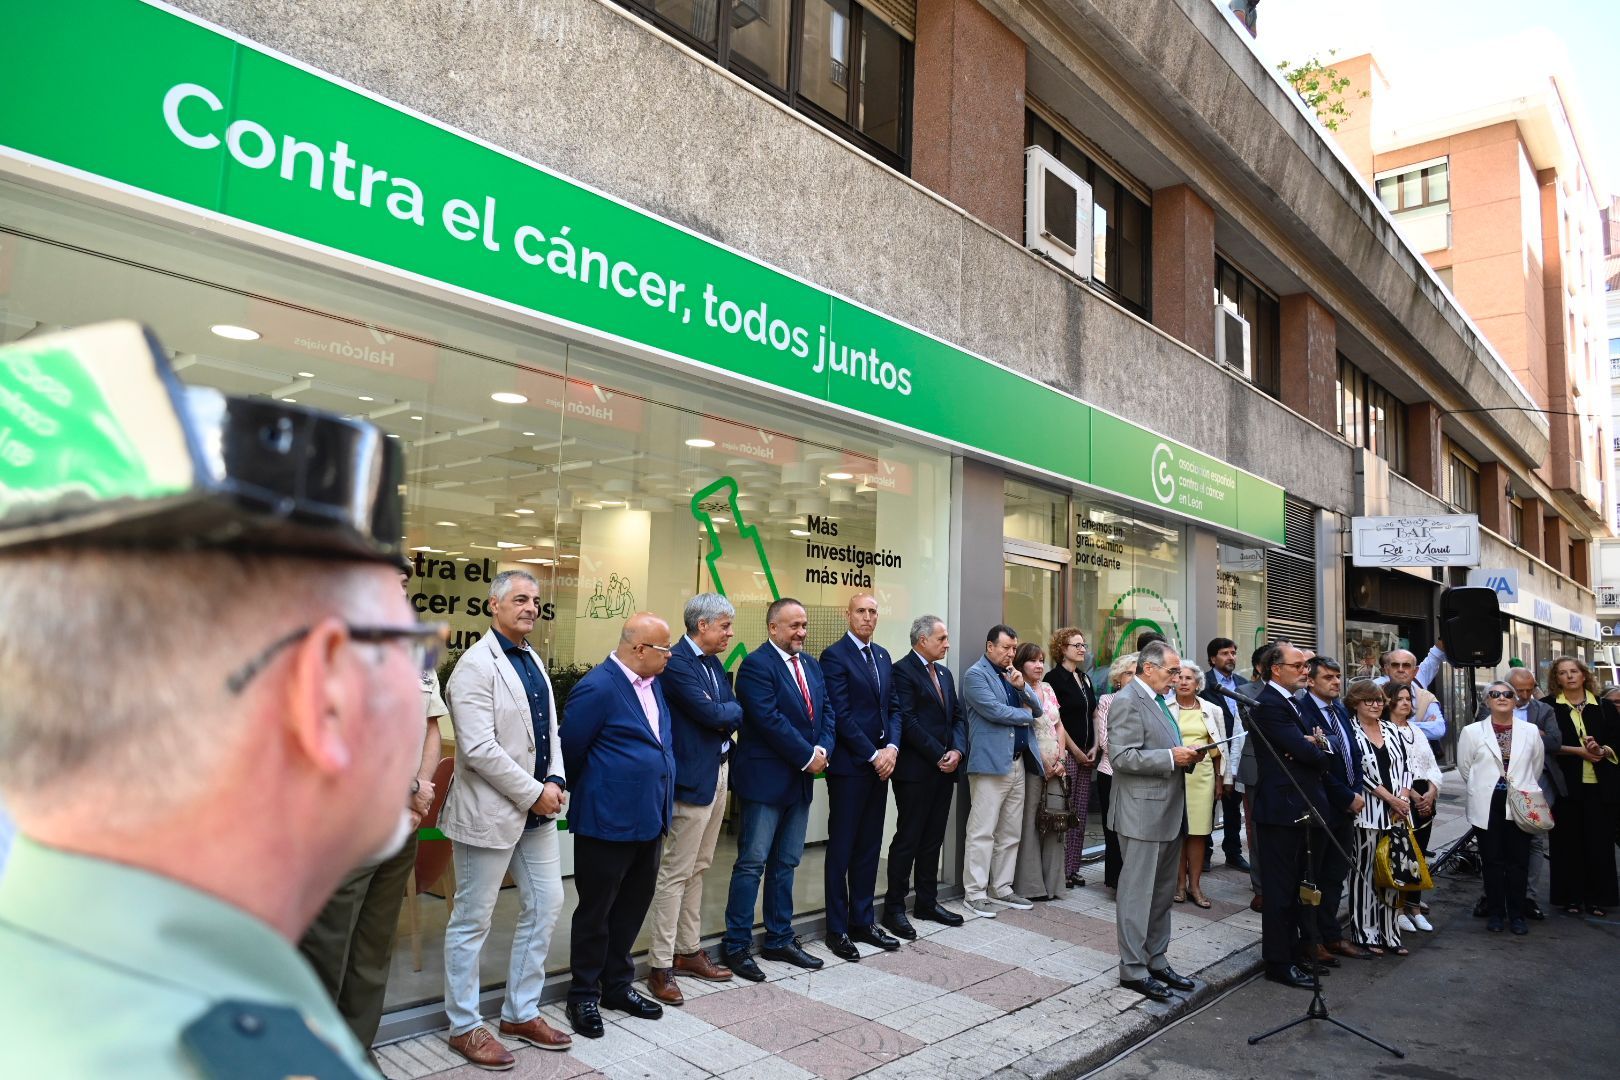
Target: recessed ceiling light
{"type": "Point", "coordinates": [508, 544]}
{"type": "Point", "coordinates": [568, 556]}
{"type": "Point", "coordinates": [447, 524]}
{"type": "Point", "coordinates": [463, 558]}
{"type": "Point", "coordinates": [700, 444]}
{"type": "Point", "coordinates": [422, 548]}
{"type": "Point", "coordinates": [524, 510]}
{"type": "Point", "coordinates": [612, 503]}
{"type": "Point", "coordinates": [306, 374]}
{"type": "Point", "coordinates": [530, 434]}
{"type": "Point", "coordinates": [416, 418]}
{"type": "Point", "coordinates": [798, 532]}
{"type": "Point", "coordinates": [365, 398]}
{"type": "Point", "coordinates": [391, 435]}
{"type": "Point", "coordinates": [840, 476]}
{"type": "Point", "coordinates": [507, 397]}
{"type": "Point", "coordinates": [235, 333]}
{"type": "Point", "coordinates": [290, 401]}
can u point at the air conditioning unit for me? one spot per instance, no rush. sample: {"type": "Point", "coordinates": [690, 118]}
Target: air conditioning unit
{"type": "Point", "coordinates": [1232, 342]}
{"type": "Point", "coordinates": [1057, 212]}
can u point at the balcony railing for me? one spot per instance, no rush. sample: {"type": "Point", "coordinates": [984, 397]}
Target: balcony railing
{"type": "Point", "coordinates": [1608, 596]}
{"type": "Point", "coordinates": [1614, 370]}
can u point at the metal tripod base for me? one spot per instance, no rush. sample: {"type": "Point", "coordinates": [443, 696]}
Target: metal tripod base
{"type": "Point", "coordinates": [1318, 1011]}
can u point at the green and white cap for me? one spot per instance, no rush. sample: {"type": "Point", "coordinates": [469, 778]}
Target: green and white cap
{"type": "Point", "coordinates": [101, 445]}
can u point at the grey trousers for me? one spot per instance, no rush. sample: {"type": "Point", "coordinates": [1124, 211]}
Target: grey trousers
{"type": "Point", "coordinates": [1147, 882]}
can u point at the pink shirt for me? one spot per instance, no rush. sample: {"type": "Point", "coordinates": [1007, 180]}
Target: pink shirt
{"type": "Point", "coordinates": [644, 693]}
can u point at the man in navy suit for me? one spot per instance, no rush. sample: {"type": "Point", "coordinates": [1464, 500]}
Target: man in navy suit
{"type": "Point", "coordinates": [1322, 935]}
{"type": "Point", "coordinates": [787, 738]}
{"type": "Point", "coordinates": [933, 741]}
{"type": "Point", "coordinates": [617, 747]}
{"type": "Point", "coordinates": [706, 716]}
{"type": "Point", "coordinates": [860, 686]}
{"type": "Point", "coordinates": [1290, 759]}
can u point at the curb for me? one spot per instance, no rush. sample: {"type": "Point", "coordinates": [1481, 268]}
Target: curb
{"type": "Point", "coordinates": [1085, 1051]}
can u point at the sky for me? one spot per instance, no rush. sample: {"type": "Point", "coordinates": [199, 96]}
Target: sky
{"type": "Point", "coordinates": [1405, 35]}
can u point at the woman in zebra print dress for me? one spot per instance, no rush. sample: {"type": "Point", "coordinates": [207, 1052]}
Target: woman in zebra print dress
{"type": "Point", "coordinates": [1388, 780]}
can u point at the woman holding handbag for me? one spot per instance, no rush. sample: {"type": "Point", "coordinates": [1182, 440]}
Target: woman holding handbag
{"type": "Point", "coordinates": [1039, 870]}
{"type": "Point", "coordinates": [1499, 760]}
{"type": "Point", "coordinates": [1077, 705]}
{"type": "Point", "coordinates": [1425, 786]}
{"type": "Point", "coordinates": [1388, 781]}
{"type": "Point", "coordinates": [1200, 723]}
{"type": "Point", "coordinates": [1581, 848]}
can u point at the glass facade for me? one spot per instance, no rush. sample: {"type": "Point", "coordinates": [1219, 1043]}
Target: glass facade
{"type": "Point", "coordinates": [1240, 598]}
{"type": "Point", "coordinates": [1129, 576]}
{"type": "Point", "coordinates": [611, 480]}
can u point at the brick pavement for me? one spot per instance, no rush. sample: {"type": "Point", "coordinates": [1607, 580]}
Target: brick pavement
{"type": "Point", "coordinates": [1029, 993]}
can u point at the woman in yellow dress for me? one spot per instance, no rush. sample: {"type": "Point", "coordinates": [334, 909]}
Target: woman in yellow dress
{"type": "Point", "coordinates": [1200, 724]}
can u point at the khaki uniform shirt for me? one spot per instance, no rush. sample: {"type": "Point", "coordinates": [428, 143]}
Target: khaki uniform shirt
{"type": "Point", "coordinates": [106, 965]}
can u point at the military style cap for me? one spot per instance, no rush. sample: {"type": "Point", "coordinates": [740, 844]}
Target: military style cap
{"type": "Point", "coordinates": [101, 446]}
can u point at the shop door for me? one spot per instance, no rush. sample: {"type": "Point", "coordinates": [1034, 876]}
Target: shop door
{"type": "Point", "coordinates": [1032, 595]}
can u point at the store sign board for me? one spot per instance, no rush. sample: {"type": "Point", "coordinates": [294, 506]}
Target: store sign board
{"type": "Point", "coordinates": [217, 124]}
{"type": "Point", "coordinates": [1445, 540]}
{"type": "Point", "coordinates": [1502, 580]}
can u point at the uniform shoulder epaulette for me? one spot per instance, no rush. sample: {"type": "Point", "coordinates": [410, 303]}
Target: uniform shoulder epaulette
{"type": "Point", "coordinates": [247, 1040]}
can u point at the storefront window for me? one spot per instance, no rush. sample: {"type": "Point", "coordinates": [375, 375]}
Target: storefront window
{"type": "Point", "coordinates": [1034, 513]}
{"type": "Point", "coordinates": [1129, 577]}
{"type": "Point", "coordinates": [612, 480]}
{"type": "Point", "coordinates": [1240, 598]}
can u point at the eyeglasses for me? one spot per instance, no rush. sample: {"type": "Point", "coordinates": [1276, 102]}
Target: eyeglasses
{"type": "Point", "coordinates": [1301, 664]}
{"type": "Point", "coordinates": [1075, 645]}
{"type": "Point", "coordinates": [665, 649]}
{"type": "Point", "coordinates": [424, 640]}
{"type": "Point", "coordinates": [1500, 694]}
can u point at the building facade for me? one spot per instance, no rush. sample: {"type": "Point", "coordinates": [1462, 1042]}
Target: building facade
{"type": "Point", "coordinates": [999, 312]}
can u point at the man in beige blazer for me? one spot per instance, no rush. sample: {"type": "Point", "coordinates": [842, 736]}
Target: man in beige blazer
{"type": "Point", "coordinates": [500, 815]}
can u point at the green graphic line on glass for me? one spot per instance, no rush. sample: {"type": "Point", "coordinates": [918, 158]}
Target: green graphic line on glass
{"type": "Point", "coordinates": [745, 531]}
{"type": "Point", "coordinates": [1121, 643]}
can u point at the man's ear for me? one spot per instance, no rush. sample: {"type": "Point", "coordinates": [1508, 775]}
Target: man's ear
{"type": "Point", "coordinates": [318, 699]}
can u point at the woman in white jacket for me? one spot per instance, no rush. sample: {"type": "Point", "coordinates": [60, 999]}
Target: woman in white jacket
{"type": "Point", "coordinates": [1493, 755]}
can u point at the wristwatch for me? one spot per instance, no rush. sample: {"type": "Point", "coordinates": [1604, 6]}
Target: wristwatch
{"type": "Point", "coordinates": [416, 785]}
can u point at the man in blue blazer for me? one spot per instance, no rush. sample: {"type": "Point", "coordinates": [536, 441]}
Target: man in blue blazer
{"type": "Point", "coordinates": [933, 742]}
{"type": "Point", "coordinates": [1289, 757]}
{"type": "Point", "coordinates": [999, 709]}
{"type": "Point", "coordinates": [617, 746]}
{"type": "Point", "coordinates": [707, 716]}
{"type": "Point", "coordinates": [860, 686]}
{"type": "Point", "coordinates": [787, 738]}
{"type": "Point", "coordinates": [1342, 801]}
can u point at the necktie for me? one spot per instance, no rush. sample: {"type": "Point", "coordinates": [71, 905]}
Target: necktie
{"type": "Point", "coordinates": [1341, 741]}
{"type": "Point", "coordinates": [1166, 710]}
{"type": "Point", "coordinates": [871, 667]}
{"type": "Point", "coordinates": [709, 664]}
{"type": "Point", "coordinates": [939, 691]}
{"type": "Point", "coordinates": [804, 688]}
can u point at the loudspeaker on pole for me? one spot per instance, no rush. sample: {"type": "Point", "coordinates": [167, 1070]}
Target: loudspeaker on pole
{"type": "Point", "coordinates": [1471, 625]}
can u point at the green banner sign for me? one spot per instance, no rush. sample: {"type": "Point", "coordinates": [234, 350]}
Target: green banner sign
{"type": "Point", "coordinates": [167, 106]}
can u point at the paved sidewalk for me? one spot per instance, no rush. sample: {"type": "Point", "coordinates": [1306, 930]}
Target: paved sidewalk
{"type": "Point", "coordinates": [1026, 994]}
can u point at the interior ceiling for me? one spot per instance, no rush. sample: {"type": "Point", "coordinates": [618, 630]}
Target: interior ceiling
{"type": "Point", "coordinates": [483, 477]}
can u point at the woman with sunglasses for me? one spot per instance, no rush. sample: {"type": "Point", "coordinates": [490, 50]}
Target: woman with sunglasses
{"type": "Point", "coordinates": [1494, 754]}
{"type": "Point", "coordinates": [1581, 847]}
{"type": "Point", "coordinates": [1388, 781]}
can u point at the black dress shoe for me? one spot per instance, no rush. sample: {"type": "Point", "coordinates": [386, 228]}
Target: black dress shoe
{"type": "Point", "coordinates": [937, 913]}
{"type": "Point", "coordinates": [900, 926]}
{"type": "Point", "coordinates": [793, 953]}
{"type": "Point", "coordinates": [874, 935]}
{"type": "Point", "coordinates": [1535, 912]}
{"type": "Point", "coordinates": [1148, 988]}
{"type": "Point", "coordinates": [1290, 976]}
{"type": "Point", "coordinates": [1170, 978]}
{"type": "Point", "coordinates": [585, 1018]}
{"type": "Point", "coordinates": [1238, 862]}
{"type": "Point", "coordinates": [629, 1000]}
{"type": "Point", "coordinates": [742, 965]}
{"type": "Point", "coordinates": [1310, 967]}
{"type": "Point", "coordinates": [843, 948]}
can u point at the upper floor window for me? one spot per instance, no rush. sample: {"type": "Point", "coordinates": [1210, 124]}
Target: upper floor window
{"type": "Point", "coordinates": [833, 60]}
{"type": "Point", "coordinates": [1121, 223]}
{"type": "Point", "coordinates": [1420, 198]}
{"type": "Point", "coordinates": [1370, 416]}
{"type": "Point", "coordinates": [1238, 295]}
{"type": "Point", "coordinates": [1516, 522]}
{"type": "Point", "coordinates": [1462, 480]}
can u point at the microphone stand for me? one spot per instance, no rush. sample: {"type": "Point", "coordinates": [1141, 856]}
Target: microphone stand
{"type": "Point", "coordinates": [1317, 1009]}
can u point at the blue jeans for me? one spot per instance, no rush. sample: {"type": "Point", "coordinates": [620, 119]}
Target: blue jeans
{"type": "Point", "coordinates": [771, 843]}
{"type": "Point", "coordinates": [535, 862]}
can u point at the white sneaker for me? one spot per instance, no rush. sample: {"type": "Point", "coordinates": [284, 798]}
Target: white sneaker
{"type": "Point", "coordinates": [1013, 900]}
{"type": "Point", "coordinates": [983, 909]}
{"type": "Point", "coordinates": [1422, 923]}
{"type": "Point", "coordinates": [1405, 923]}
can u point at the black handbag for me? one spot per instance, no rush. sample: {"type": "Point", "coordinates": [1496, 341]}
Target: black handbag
{"type": "Point", "coordinates": [1059, 819]}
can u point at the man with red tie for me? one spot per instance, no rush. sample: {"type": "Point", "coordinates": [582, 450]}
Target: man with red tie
{"type": "Point", "coordinates": [786, 739]}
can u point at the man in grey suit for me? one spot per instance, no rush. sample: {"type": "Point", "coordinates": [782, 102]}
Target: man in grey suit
{"type": "Point", "coordinates": [1540, 715]}
{"type": "Point", "coordinates": [1148, 809]}
{"type": "Point", "coordinates": [999, 709]}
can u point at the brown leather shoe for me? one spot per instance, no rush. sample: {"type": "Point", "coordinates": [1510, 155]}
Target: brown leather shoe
{"type": "Point", "coordinates": [482, 1049]}
{"type": "Point", "coordinates": [1350, 949]}
{"type": "Point", "coordinates": [700, 965]}
{"type": "Point", "coordinates": [1319, 954]}
{"type": "Point", "coordinates": [1255, 904]}
{"type": "Point", "coordinates": [537, 1032]}
{"type": "Point", "coordinates": [661, 984]}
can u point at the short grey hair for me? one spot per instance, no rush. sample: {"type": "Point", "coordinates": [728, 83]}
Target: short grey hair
{"type": "Point", "coordinates": [1187, 665]}
{"type": "Point", "coordinates": [1120, 671]}
{"type": "Point", "coordinates": [923, 626]}
{"type": "Point", "coordinates": [706, 607]}
{"type": "Point", "coordinates": [1153, 653]}
{"type": "Point", "coordinates": [502, 585]}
